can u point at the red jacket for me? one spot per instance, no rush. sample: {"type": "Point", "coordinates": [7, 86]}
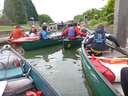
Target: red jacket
{"type": "Point", "coordinates": [76, 30]}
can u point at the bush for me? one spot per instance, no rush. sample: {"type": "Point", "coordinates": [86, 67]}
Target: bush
{"type": "Point", "coordinates": [92, 22]}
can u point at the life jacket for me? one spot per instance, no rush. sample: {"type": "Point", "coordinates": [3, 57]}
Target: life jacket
{"type": "Point", "coordinates": [71, 32]}
{"type": "Point", "coordinates": [99, 36]}
{"type": "Point", "coordinates": [17, 33]}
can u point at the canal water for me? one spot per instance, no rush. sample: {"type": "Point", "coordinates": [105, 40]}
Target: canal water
{"type": "Point", "coordinates": [62, 68]}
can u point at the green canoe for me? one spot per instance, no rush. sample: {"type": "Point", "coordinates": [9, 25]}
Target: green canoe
{"type": "Point", "coordinates": [68, 44]}
{"type": "Point", "coordinates": [32, 45]}
{"type": "Point", "coordinates": [20, 80]}
{"type": "Point", "coordinates": [98, 85]}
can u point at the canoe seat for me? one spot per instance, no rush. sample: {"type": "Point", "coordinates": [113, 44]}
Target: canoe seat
{"type": "Point", "coordinates": [17, 86]}
{"type": "Point", "coordinates": [11, 73]}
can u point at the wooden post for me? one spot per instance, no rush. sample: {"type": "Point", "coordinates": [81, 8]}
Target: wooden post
{"type": "Point", "coordinates": [121, 21]}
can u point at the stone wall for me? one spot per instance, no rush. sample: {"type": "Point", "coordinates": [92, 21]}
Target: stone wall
{"type": "Point", "coordinates": [121, 21]}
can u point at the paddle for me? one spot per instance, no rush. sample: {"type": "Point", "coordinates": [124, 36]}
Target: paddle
{"type": "Point", "coordinates": [118, 49]}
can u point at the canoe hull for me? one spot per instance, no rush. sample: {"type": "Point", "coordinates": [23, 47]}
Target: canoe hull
{"type": "Point", "coordinates": [39, 44]}
{"type": "Point", "coordinates": [27, 72]}
{"type": "Point", "coordinates": [98, 85]}
{"type": "Point", "coordinates": [71, 43]}
{"type": "Point", "coordinates": [40, 83]}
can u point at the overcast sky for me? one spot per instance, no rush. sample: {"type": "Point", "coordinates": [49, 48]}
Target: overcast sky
{"type": "Point", "coordinates": [63, 10]}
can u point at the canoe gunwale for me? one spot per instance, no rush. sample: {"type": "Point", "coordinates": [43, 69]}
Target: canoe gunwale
{"type": "Point", "coordinates": [96, 73]}
{"type": "Point", "coordinates": [48, 91]}
{"type": "Point", "coordinates": [29, 70]}
{"type": "Point", "coordinates": [27, 46]}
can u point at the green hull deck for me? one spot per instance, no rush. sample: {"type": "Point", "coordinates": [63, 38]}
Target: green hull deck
{"type": "Point", "coordinates": [98, 85]}
{"type": "Point", "coordinates": [68, 44]}
{"type": "Point", "coordinates": [40, 44]}
{"type": "Point", "coordinates": [27, 71]}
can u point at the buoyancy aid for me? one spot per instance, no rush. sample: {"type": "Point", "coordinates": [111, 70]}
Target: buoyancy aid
{"type": "Point", "coordinates": [71, 32]}
{"type": "Point", "coordinates": [99, 36]}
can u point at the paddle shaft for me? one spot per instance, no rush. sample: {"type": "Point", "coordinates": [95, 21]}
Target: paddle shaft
{"type": "Point", "coordinates": [118, 49]}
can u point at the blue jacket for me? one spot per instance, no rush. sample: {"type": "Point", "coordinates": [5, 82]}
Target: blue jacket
{"type": "Point", "coordinates": [43, 35]}
{"type": "Point", "coordinates": [71, 32]}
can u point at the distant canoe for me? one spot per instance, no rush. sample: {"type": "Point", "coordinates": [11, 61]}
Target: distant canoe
{"type": "Point", "coordinates": [32, 43]}
{"type": "Point", "coordinates": [22, 79]}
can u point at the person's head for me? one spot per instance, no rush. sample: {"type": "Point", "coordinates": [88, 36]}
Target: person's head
{"type": "Point", "coordinates": [83, 30]}
{"type": "Point", "coordinates": [18, 26]}
{"type": "Point", "coordinates": [70, 25]}
{"type": "Point", "coordinates": [82, 24]}
{"type": "Point", "coordinates": [75, 24]}
{"type": "Point", "coordinates": [44, 28]}
{"type": "Point", "coordinates": [100, 26]}
{"type": "Point", "coordinates": [33, 26]}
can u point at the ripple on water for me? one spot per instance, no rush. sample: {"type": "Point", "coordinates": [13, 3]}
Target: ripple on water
{"type": "Point", "coordinates": [62, 68]}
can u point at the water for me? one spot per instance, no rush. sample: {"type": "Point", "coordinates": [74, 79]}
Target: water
{"type": "Point", "coordinates": [62, 69]}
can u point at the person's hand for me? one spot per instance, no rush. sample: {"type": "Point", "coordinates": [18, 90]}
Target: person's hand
{"type": "Point", "coordinates": [83, 35]}
{"type": "Point", "coordinates": [62, 37]}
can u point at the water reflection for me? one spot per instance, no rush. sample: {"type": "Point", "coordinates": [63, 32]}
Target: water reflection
{"type": "Point", "coordinates": [43, 53]}
{"type": "Point", "coordinates": [53, 53]}
{"type": "Point", "coordinates": [62, 68]}
{"type": "Point", "coordinates": [72, 54]}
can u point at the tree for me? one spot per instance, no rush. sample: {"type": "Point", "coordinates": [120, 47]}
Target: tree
{"type": "Point", "coordinates": [45, 18]}
{"type": "Point", "coordinates": [19, 11]}
{"type": "Point", "coordinates": [109, 11]}
{"type": "Point", "coordinates": [78, 18]}
{"type": "Point", "coordinates": [15, 11]}
{"type": "Point", "coordinates": [92, 13]}
{"type": "Point", "coordinates": [30, 9]}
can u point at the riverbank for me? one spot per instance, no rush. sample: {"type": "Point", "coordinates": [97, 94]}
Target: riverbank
{"type": "Point", "coordinates": [7, 28]}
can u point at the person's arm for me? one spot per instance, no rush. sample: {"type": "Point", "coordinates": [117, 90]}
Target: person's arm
{"type": "Point", "coordinates": [10, 36]}
{"type": "Point", "coordinates": [89, 41]}
{"type": "Point", "coordinates": [113, 39]}
{"type": "Point", "coordinates": [78, 32]}
{"type": "Point", "coordinates": [64, 32]}
{"type": "Point", "coordinates": [40, 34]}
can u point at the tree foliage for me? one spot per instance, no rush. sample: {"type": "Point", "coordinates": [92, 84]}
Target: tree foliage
{"type": "Point", "coordinates": [45, 18]}
{"type": "Point", "coordinates": [30, 9]}
{"type": "Point", "coordinates": [78, 18]}
{"type": "Point", "coordinates": [15, 11]}
{"type": "Point", "coordinates": [94, 15]}
{"type": "Point", "coordinates": [19, 11]}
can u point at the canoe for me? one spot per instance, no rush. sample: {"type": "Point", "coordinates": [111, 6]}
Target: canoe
{"type": "Point", "coordinates": [103, 73]}
{"type": "Point", "coordinates": [68, 44]}
{"type": "Point", "coordinates": [32, 43]}
{"type": "Point", "coordinates": [19, 78]}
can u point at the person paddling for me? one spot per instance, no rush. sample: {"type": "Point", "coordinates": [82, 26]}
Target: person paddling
{"type": "Point", "coordinates": [72, 31]}
{"type": "Point", "coordinates": [43, 33]}
{"type": "Point", "coordinates": [16, 33]}
{"type": "Point", "coordinates": [33, 31]}
{"type": "Point", "coordinates": [97, 41]}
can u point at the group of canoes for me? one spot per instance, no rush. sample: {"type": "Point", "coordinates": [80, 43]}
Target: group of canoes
{"type": "Point", "coordinates": [34, 39]}
{"type": "Point", "coordinates": [106, 75]}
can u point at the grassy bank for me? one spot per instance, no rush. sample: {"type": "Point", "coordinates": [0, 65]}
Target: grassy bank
{"type": "Point", "coordinates": [5, 28]}
{"type": "Point", "coordinates": [8, 28]}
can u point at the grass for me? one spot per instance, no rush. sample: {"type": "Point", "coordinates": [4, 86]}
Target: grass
{"type": "Point", "coordinates": [5, 28]}
{"type": "Point", "coordinates": [8, 28]}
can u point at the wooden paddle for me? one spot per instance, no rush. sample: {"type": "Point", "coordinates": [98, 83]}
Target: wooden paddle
{"type": "Point", "coordinates": [118, 49]}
